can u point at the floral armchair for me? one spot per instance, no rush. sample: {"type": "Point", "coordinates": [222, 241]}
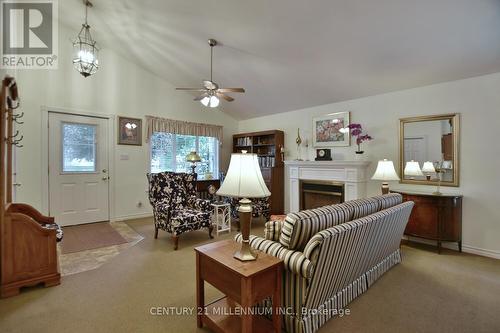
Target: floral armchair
{"type": "Point", "coordinates": [176, 209]}
{"type": "Point", "coordinates": [260, 207]}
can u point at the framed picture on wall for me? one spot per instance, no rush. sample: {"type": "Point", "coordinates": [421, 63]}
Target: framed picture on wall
{"type": "Point", "coordinates": [129, 131]}
{"type": "Point", "coordinates": [330, 130]}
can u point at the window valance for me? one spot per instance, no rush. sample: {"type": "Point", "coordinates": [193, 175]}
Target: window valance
{"type": "Point", "coordinates": [157, 124]}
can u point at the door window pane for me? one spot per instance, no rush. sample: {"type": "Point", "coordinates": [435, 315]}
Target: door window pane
{"type": "Point", "coordinates": [78, 147]}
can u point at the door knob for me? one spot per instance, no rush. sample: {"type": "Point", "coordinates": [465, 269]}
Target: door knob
{"type": "Point", "coordinates": [104, 178]}
{"type": "Point", "coordinates": [104, 170]}
{"type": "Point", "coordinates": [16, 184]}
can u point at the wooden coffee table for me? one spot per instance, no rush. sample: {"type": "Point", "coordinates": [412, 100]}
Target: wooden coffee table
{"type": "Point", "coordinates": [244, 283]}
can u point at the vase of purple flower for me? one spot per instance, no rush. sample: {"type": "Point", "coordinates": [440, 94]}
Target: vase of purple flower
{"type": "Point", "coordinates": [357, 132]}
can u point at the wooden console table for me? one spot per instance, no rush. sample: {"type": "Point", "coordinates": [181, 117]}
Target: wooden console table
{"type": "Point", "coordinates": [435, 217]}
{"type": "Point", "coordinates": [202, 187]}
{"type": "Point", "coordinates": [244, 283]}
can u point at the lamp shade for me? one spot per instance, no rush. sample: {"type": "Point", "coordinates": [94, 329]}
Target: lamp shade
{"type": "Point", "coordinates": [428, 167]}
{"type": "Point", "coordinates": [193, 157]}
{"type": "Point", "coordinates": [244, 179]}
{"type": "Point", "coordinates": [385, 171]}
{"type": "Point", "coordinates": [412, 169]}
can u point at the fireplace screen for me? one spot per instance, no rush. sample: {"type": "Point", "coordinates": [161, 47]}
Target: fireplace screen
{"type": "Point", "coordinates": [318, 193]}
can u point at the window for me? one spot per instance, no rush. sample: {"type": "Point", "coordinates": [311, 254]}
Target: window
{"type": "Point", "coordinates": [79, 147]}
{"type": "Point", "coordinates": [168, 153]}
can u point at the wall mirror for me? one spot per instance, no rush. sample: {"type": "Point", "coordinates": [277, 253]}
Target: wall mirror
{"type": "Point", "coordinates": [428, 150]}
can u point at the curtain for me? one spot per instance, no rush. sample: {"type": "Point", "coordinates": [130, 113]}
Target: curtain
{"type": "Point", "coordinates": [156, 124]}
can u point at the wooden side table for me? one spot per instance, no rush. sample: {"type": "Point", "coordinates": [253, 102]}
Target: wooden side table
{"type": "Point", "coordinates": [245, 283]}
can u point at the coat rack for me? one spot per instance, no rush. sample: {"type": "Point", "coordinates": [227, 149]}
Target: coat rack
{"type": "Point", "coordinates": [28, 249]}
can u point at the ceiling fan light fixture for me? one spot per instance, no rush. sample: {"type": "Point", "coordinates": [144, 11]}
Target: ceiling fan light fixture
{"type": "Point", "coordinates": [205, 101]}
{"type": "Point", "coordinates": [210, 101]}
{"type": "Point", "coordinates": [211, 92]}
{"type": "Point", "coordinates": [214, 102]}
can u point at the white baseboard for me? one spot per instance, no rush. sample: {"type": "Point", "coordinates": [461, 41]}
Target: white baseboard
{"type": "Point", "coordinates": [131, 217]}
{"type": "Point", "coordinates": [454, 246]}
{"type": "Point", "coordinates": [481, 252]}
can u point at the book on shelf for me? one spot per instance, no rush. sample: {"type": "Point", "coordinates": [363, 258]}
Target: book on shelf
{"type": "Point", "coordinates": [267, 161]}
{"type": "Point", "coordinates": [246, 141]}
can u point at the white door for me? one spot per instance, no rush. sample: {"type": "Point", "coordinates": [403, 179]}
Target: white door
{"type": "Point", "coordinates": [415, 149]}
{"type": "Point", "coordinates": [78, 169]}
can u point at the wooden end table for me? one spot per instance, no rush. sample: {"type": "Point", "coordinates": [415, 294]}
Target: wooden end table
{"type": "Point", "coordinates": [244, 283]}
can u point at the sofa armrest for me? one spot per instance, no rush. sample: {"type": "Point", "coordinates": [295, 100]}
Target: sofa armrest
{"type": "Point", "coordinates": [294, 261]}
{"type": "Point", "coordinates": [272, 230]}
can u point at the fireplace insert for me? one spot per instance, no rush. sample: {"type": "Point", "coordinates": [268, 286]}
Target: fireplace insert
{"type": "Point", "coordinates": [318, 193]}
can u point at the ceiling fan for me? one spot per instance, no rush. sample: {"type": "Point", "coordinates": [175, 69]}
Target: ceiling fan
{"type": "Point", "coordinates": [210, 93]}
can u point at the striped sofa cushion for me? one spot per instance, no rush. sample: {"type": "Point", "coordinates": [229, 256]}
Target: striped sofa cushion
{"type": "Point", "coordinates": [300, 227]}
{"type": "Point", "coordinates": [272, 230]}
{"type": "Point", "coordinates": [363, 207]}
{"type": "Point", "coordinates": [388, 200]}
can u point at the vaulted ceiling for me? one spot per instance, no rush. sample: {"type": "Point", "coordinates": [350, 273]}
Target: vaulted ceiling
{"type": "Point", "coordinates": [292, 54]}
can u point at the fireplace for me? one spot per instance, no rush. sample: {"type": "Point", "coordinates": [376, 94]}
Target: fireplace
{"type": "Point", "coordinates": [352, 174]}
{"type": "Point", "coordinates": [318, 193]}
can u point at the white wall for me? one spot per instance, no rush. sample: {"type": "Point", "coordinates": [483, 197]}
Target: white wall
{"type": "Point", "coordinates": [118, 88]}
{"type": "Point", "coordinates": [478, 101]}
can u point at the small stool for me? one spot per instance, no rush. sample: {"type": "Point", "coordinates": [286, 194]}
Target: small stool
{"type": "Point", "coordinates": [221, 217]}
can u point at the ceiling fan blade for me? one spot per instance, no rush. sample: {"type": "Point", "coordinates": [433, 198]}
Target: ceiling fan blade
{"type": "Point", "coordinates": [191, 89]}
{"type": "Point", "coordinates": [237, 90]}
{"type": "Point", "coordinates": [202, 96]}
{"type": "Point", "coordinates": [226, 97]}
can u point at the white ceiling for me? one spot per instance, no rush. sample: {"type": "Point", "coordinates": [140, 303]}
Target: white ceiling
{"type": "Point", "coordinates": [292, 54]}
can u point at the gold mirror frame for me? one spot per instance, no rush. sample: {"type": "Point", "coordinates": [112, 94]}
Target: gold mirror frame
{"type": "Point", "coordinates": [455, 121]}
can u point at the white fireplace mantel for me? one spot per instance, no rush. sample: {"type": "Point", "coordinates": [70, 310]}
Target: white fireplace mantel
{"type": "Point", "coordinates": [351, 173]}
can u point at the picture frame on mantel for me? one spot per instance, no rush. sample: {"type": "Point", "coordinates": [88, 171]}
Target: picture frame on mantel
{"type": "Point", "coordinates": [129, 131]}
{"type": "Point", "coordinates": [328, 130]}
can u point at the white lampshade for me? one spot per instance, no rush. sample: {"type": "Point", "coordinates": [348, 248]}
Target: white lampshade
{"type": "Point", "coordinates": [244, 179]}
{"type": "Point", "coordinates": [385, 171]}
{"type": "Point", "coordinates": [412, 169]}
{"type": "Point", "coordinates": [428, 167]}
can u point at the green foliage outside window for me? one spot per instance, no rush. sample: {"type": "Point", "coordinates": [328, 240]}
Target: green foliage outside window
{"type": "Point", "coordinates": [168, 153]}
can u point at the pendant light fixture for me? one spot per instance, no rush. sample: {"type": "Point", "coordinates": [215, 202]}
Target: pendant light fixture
{"type": "Point", "coordinates": [85, 50]}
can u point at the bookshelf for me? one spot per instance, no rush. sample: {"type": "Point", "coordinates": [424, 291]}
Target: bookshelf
{"type": "Point", "coordinates": [268, 145]}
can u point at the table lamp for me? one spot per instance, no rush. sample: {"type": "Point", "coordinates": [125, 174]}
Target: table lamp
{"type": "Point", "coordinates": [385, 172]}
{"type": "Point", "coordinates": [412, 170]}
{"type": "Point", "coordinates": [193, 157]}
{"type": "Point", "coordinates": [428, 169]}
{"type": "Point", "coordinates": [244, 180]}
{"type": "Point", "coordinates": [439, 167]}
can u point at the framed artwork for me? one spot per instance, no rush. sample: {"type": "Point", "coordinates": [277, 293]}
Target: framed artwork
{"type": "Point", "coordinates": [329, 130]}
{"type": "Point", "coordinates": [129, 131]}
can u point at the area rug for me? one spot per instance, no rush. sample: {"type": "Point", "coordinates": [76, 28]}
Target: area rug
{"type": "Point", "coordinates": [90, 236]}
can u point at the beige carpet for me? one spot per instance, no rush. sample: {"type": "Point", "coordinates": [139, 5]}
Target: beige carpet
{"type": "Point", "coordinates": [428, 292]}
{"type": "Point", "coordinates": [89, 236]}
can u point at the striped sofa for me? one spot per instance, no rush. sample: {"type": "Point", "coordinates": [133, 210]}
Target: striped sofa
{"type": "Point", "coordinates": [332, 255]}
